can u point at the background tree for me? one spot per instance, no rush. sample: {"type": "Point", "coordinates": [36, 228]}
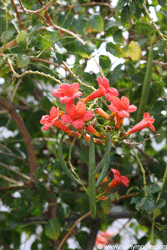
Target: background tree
{"type": "Point", "coordinates": [43, 44]}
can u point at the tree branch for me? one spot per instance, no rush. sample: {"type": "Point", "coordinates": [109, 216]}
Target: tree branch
{"type": "Point", "coordinates": [46, 14]}
{"type": "Point", "coordinates": [18, 15]}
{"type": "Point", "coordinates": [25, 135]}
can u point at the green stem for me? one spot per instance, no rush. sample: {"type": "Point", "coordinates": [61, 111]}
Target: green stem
{"type": "Point", "coordinates": [154, 212]}
{"type": "Point", "coordinates": [146, 85]}
{"type": "Point", "coordinates": [143, 172]}
{"type": "Point", "coordinates": [37, 73]}
{"type": "Point", "coordinates": [92, 180]}
{"type": "Point", "coordinates": [72, 167]}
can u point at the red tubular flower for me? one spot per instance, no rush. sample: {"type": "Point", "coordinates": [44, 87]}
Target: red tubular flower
{"type": "Point", "coordinates": [53, 119]}
{"type": "Point", "coordinates": [121, 109]}
{"type": "Point", "coordinates": [67, 92]}
{"type": "Point", "coordinates": [87, 138]}
{"type": "Point", "coordinates": [118, 179]}
{"type": "Point", "coordinates": [146, 122]}
{"type": "Point", "coordinates": [77, 115]}
{"type": "Point", "coordinates": [102, 113]}
{"type": "Point", "coordinates": [93, 131]}
{"type": "Point", "coordinates": [104, 89]}
{"type": "Point", "coordinates": [103, 239]}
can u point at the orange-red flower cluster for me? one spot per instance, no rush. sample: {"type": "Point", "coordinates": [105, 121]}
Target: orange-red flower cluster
{"type": "Point", "coordinates": [77, 115]}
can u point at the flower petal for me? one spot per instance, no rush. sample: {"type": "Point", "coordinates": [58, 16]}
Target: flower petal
{"type": "Point", "coordinates": [132, 108]}
{"type": "Point", "coordinates": [78, 123]}
{"type": "Point", "coordinates": [66, 119]}
{"type": "Point", "coordinates": [88, 115]}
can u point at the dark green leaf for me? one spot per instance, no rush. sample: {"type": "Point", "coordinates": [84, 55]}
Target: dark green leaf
{"type": "Point", "coordinates": [105, 62]}
{"type": "Point", "coordinates": [162, 2]}
{"type": "Point", "coordinates": [149, 205]}
{"type": "Point", "coordinates": [120, 4]}
{"type": "Point", "coordinates": [114, 49]}
{"type": "Point", "coordinates": [125, 14]}
{"type": "Point", "coordinates": [161, 203]}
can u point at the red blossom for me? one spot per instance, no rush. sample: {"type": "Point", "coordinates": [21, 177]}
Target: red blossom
{"type": "Point", "coordinates": [103, 90]}
{"type": "Point", "coordinates": [77, 115]}
{"type": "Point", "coordinates": [67, 92]}
{"type": "Point", "coordinates": [53, 119]}
{"type": "Point", "coordinates": [118, 179]}
{"type": "Point", "coordinates": [121, 109]}
{"type": "Point", "coordinates": [146, 122]}
{"type": "Point", "coordinates": [103, 239]}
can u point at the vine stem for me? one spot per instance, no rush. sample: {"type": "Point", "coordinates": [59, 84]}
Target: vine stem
{"type": "Point", "coordinates": [36, 73]}
{"type": "Point", "coordinates": [154, 212]}
{"type": "Point", "coordinates": [72, 167]}
{"type": "Point", "coordinates": [143, 172]}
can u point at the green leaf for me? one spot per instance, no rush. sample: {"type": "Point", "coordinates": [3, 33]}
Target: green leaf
{"type": "Point", "coordinates": [143, 28]}
{"type": "Point", "coordinates": [84, 51]}
{"type": "Point", "coordinates": [105, 62]}
{"type": "Point", "coordinates": [45, 104]}
{"type": "Point", "coordinates": [89, 47]}
{"type": "Point", "coordinates": [80, 24]}
{"type": "Point", "coordinates": [125, 14]}
{"type": "Point", "coordinates": [120, 4]}
{"type": "Point", "coordinates": [7, 35]}
{"type": "Point", "coordinates": [53, 229]}
{"type": "Point", "coordinates": [111, 24]}
{"type": "Point", "coordinates": [21, 39]}
{"type": "Point", "coordinates": [164, 12]}
{"type": "Point", "coordinates": [118, 37]}
{"type": "Point", "coordinates": [149, 205]}
{"type": "Point", "coordinates": [141, 203]}
{"type": "Point", "coordinates": [22, 60]}
{"type": "Point", "coordinates": [155, 189]}
{"type": "Point", "coordinates": [114, 50]}
{"type": "Point", "coordinates": [162, 2]}
{"type": "Point", "coordinates": [161, 203]}
{"type": "Point", "coordinates": [96, 23]}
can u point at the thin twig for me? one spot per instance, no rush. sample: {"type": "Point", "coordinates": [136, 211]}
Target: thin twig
{"type": "Point", "coordinates": [76, 77]}
{"type": "Point", "coordinates": [46, 7]}
{"type": "Point", "coordinates": [18, 15]}
{"type": "Point", "coordinates": [13, 155]}
{"type": "Point", "coordinates": [71, 229]}
{"type": "Point", "coordinates": [15, 171]}
{"type": "Point", "coordinates": [11, 180]}
{"type": "Point", "coordinates": [101, 72]}
{"type": "Point", "coordinates": [123, 197]}
{"type": "Point", "coordinates": [9, 45]}
{"type": "Point", "coordinates": [153, 23]}
{"type": "Point", "coordinates": [32, 12]}
{"type": "Point", "coordinates": [68, 32]}
{"type": "Point", "coordinates": [46, 14]}
{"type": "Point", "coordinates": [15, 90]}
{"type": "Point", "coordinates": [129, 142]}
{"type": "Point", "coordinates": [11, 66]}
{"type": "Point", "coordinates": [47, 62]}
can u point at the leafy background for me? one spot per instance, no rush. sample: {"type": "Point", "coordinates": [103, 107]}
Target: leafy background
{"type": "Point", "coordinates": [39, 49]}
